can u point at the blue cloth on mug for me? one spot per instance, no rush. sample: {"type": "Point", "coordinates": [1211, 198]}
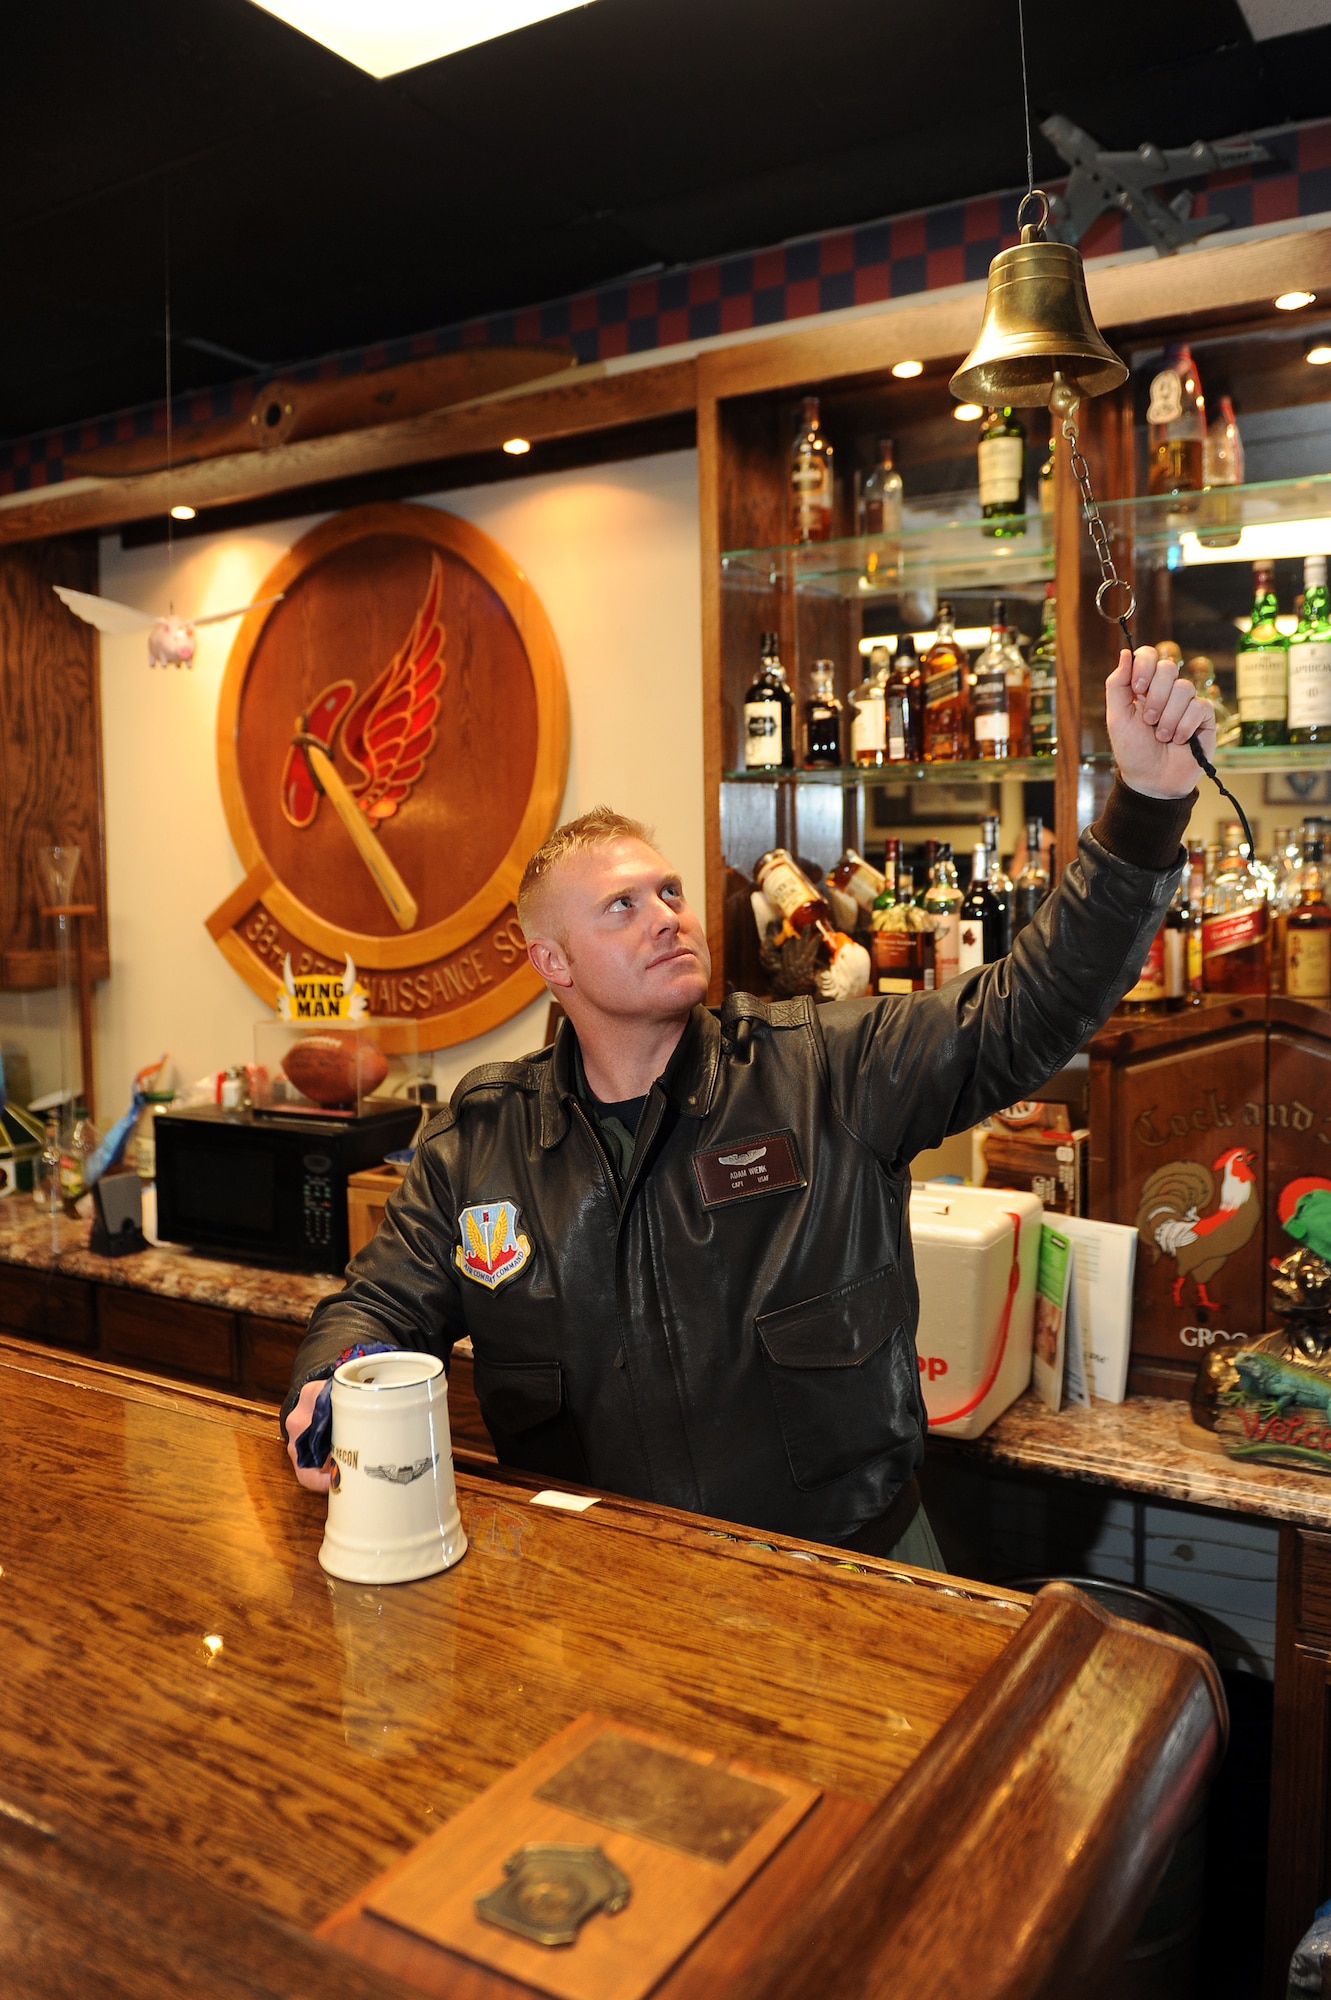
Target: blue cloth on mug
{"type": "Point", "coordinates": [314, 1445]}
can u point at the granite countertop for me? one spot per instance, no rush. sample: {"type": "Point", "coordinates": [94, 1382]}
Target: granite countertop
{"type": "Point", "coordinates": [55, 1243]}
{"type": "Point", "coordinates": [1149, 1445]}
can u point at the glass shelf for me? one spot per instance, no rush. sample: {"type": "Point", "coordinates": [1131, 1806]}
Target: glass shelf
{"type": "Point", "coordinates": [1275, 517]}
{"type": "Point", "coordinates": [988, 770]}
{"type": "Point", "coordinates": [948, 551]}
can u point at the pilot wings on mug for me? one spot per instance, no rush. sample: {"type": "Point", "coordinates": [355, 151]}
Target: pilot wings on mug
{"type": "Point", "coordinates": [763, 1164]}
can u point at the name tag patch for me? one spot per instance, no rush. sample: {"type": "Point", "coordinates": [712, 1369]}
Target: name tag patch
{"type": "Point", "coordinates": [762, 1165]}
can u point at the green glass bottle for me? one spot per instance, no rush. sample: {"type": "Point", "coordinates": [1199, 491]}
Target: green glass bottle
{"type": "Point", "coordinates": [1044, 678]}
{"type": "Point", "coordinates": [1310, 660]}
{"type": "Point", "coordinates": [1002, 455]}
{"type": "Point", "coordinates": [1262, 664]}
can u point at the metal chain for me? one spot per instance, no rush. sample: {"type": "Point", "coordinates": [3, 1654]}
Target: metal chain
{"type": "Point", "coordinates": [1111, 580]}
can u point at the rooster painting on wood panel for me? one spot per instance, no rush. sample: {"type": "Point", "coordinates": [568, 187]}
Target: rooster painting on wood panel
{"type": "Point", "coordinates": [1200, 1216]}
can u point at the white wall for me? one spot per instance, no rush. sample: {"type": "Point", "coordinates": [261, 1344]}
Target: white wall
{"type": "Point", "coordinates": [613, 554]}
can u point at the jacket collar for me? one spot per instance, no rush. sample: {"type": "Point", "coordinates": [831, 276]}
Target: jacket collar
{"type": "Point", "coordinates": [689, 1082]}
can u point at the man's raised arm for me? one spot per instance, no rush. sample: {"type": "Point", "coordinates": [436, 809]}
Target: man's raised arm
{"type": "Point", "coordinates": [904, 1076]}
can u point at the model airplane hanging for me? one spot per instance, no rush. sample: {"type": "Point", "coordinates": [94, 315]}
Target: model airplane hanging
{"type": "Point", "coordinates": [1102, 180]}
{"type": "Point", "coordinates": [170, 639]}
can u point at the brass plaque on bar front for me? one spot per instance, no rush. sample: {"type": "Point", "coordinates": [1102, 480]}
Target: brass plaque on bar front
{"type": "Point", "coordinates": [697, 1809]}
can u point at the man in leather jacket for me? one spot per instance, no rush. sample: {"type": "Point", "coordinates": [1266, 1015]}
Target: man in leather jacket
{"type": "Point", "coordinates": [679, 1238]}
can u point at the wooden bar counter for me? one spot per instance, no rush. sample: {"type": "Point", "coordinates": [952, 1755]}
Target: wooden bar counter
{"type": "Point", "coordinates": [194, 1712]}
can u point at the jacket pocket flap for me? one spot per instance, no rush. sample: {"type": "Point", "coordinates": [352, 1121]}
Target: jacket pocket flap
{"type": "Point", "coordinates": [837, 1329]}
{"type": "Point", "coordinates": [518, 1394]}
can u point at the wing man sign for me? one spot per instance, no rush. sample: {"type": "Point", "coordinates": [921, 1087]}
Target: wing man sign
{"type": "Point", "coordinates": [392, 745]}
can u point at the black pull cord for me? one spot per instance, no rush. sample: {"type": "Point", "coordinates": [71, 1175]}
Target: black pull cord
{"type": "Point", "coordinates": [1194, 744]}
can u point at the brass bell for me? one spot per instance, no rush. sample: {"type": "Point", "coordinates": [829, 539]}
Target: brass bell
{"type": "Point", "coordinates": [1037, 325]}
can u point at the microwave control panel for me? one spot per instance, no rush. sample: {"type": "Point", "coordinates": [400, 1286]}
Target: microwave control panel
{"type": "Point", "coordinates": [317, 1200]}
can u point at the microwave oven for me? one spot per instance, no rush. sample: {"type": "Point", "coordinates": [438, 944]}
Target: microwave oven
{"type": "Point", "coordinates": [264, 1189]}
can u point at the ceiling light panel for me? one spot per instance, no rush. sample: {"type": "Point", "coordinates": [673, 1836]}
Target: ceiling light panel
{"type": "Point", "coordinates": [394, 35]}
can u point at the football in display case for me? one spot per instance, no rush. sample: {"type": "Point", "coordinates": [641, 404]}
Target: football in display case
{"type": "Point", "coordinates": [331, 1069]}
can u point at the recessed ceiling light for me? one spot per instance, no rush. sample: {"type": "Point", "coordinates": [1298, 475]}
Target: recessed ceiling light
{"type": "Point", "coordinates": [182, 513]}
{"type": "Point", "coordinates": [966, 413]}
{"type": "Point", "coordinates": [1290, 302]}
{"type": "Point", "coordinates": [906, 369]}
{"type": "Point", "coordinates": [394, 35]}
{"type": "Point", "coordinates": [1319, 356]}
{"type": "Point", "coordinates": [516, 446]}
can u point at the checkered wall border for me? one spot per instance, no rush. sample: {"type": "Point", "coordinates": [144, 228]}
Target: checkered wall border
{"type": "Point", "coordinates": [846, 267]}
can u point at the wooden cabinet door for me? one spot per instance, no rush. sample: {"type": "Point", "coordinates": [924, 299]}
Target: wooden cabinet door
{"type": "Point", "coordinates": [40, 1305]}
{"type": "Point", "coordinates": [1180, 1135]}
{"type": "Point", "coordinates": [167, 1333]}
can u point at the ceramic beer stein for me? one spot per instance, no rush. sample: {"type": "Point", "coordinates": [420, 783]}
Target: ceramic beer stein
{"type": "Point", "coordinates": [392, 1507]}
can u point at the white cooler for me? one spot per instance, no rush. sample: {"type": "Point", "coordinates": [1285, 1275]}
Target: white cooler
{"type": "Point", "coordinates": [976, 1254]}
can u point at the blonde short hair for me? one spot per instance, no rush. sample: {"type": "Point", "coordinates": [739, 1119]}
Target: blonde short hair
{"type": "Point", "coordinates": [600, 827]}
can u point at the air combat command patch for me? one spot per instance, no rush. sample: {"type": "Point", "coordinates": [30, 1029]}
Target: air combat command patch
{"type": "Point", "coordinates": [491, 1250]}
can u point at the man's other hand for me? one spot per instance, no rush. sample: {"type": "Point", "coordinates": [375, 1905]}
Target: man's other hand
{"type": "Point", "coordinates": [299, 1418]}
{"type": "Point", "coordinates": [1152, 712]}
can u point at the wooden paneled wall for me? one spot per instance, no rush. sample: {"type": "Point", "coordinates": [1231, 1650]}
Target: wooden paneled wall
{"type": "Point", "coordinates": [50, 753]}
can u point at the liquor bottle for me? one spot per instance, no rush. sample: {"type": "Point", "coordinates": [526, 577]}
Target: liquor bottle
{"type": "Point", "coordinates": [926, 872]}
{"type": "Point", "coordinates": [880, 495]}
{"type": "Point", "coordinates": [1044, 681]}
{"type": "Point", "coordinates": [988, 684]}
{"type": "Point", "coordinates": [1046, 476]}
{"type": "Point", "coordinates": [1220, 517]}
{"type": "Point", "coordinates": [946, 708]}
{"type": "Point", "coordinates": [1176, 950]}
{"type": "Point", "coordinates": [1176, 419]}
{"type": "Point", "coordinates": [1235, 926]}
{"type": "Point", "coordinates": [1286, 866]}
{"type": "Point", "coordinates": [74, 1159]}
{"type": "Point", "coordinates": [1000, 884]}
{"type": "Point", "coordinates": [1149, 994]}
{"type": "Point", "coordinates": [1001, 451]}
{"type": "Point", "coordinates": [1194, 982]}
{"type": "Point", "coordinates": [861, 882]}
{"type": "Point", "coordinates": [902, 945]}
{"type": "Point", "coordinates": [785, 884]}
{"type": "Point", "coordinates": [868, 728]}
{"type": "Point", "coordinates": [1200, 670]}
{"type": "Point", "coordinates": [1262, 664]}
{"type": "Point", "coordinates": [822, 720]}
{"type": "Point", "coordinates": [888, 896]}
{"type": "Point", "coordinates": [1310, 660]}
{"type": "Point", "coordinates": [982, 922]}
{"type": "Point", "coordinates": [1032, 884]}
{"type": "Point", "coordinates": [769, 715]}
{"type": "Point", "coordinates": [1018, 695]}
{"type": "Point", "coordinates": [942, 906]}
{"type": "Point", "coordinates": [810, 478]}
{"type": "Point", "coordinates": [1308, 933]}
{"type": "Point", "coordinates": [903, 694]}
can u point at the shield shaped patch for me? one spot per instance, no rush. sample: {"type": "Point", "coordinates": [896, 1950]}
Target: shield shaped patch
{"type": "Point", "coordinates": [491, 1250]}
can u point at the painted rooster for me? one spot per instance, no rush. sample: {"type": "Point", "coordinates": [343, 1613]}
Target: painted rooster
{"type": "Point", "coordinates": [1173, 1216]}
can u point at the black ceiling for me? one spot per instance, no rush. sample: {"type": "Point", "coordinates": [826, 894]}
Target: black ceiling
{"type": "Point", "coordinates": [312, 208]}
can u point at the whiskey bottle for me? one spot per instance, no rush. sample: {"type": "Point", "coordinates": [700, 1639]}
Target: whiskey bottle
{"type": "Point", "coordinates": [785, 884]}
{"type": "Point", "coordinates": [1044, 681]}
{"type": "Point", "coordinates": [946, 707]}
{"type": "Point", "coordinates": [1309, 712]}
{"type": "Point", "coordinates": [860, 882]}
{"type": "Point", "coordinates": [881, 495]}
{"type": "Point", "coordinates": [1176, 421]}
{"type": "Point", "coordinates": [1194, 982]}
{"type": "Point", "coordinates": [1176, 949]}
{"type": "Point", "coordinates": [1220, 516]}
{"type": "Point", "coordinates": [868, 728]}
{"type": "Point", "coordinates": [1000, 885]}
{"type": "Point", "coordinates": [904, 704]}
{"type": "Point", "coordinates": [1149, 994]}
{"type": "Point", "coordinates": [1032, 883]}
{"type": "Point", "coordinates": [902, 946]}
{"type": "Point", "coordinates": [989, 713]}
{"type": "Point", "coordinates": [810, 478]}
{"type": "Point", "coordinates": [1308, 933]}
{"type": "Point", "coordinates": [981, 938]}
{"type": "Point", "coordinates": [769, 715]}
{"type": "Point", "coordinates": [822, 720]}
{"type": "Point", "coordinates": [1001, 451]}
{"type": "Point", "coordinates": [1235, 925]}
{"type": "Point", "coordinates": [942, 906]}
{"type": "Point", "coordinates": [1285, 867]}
{"type": "Point", "coordinates": [1262, 665]}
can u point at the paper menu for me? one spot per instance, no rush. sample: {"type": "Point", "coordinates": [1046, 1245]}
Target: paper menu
{"type": "Point", "coordinates": [1099, 1321]}
{"type": "Point", "coordinates": [1053, 1279]}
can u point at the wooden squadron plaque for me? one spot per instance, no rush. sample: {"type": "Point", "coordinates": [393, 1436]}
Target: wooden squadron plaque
{"type": "Point", "coordinates": [392, 742]}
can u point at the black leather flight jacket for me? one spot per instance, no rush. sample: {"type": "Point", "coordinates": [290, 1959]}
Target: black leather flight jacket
{"type": "Point", "coordinates": [732, 1329]}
